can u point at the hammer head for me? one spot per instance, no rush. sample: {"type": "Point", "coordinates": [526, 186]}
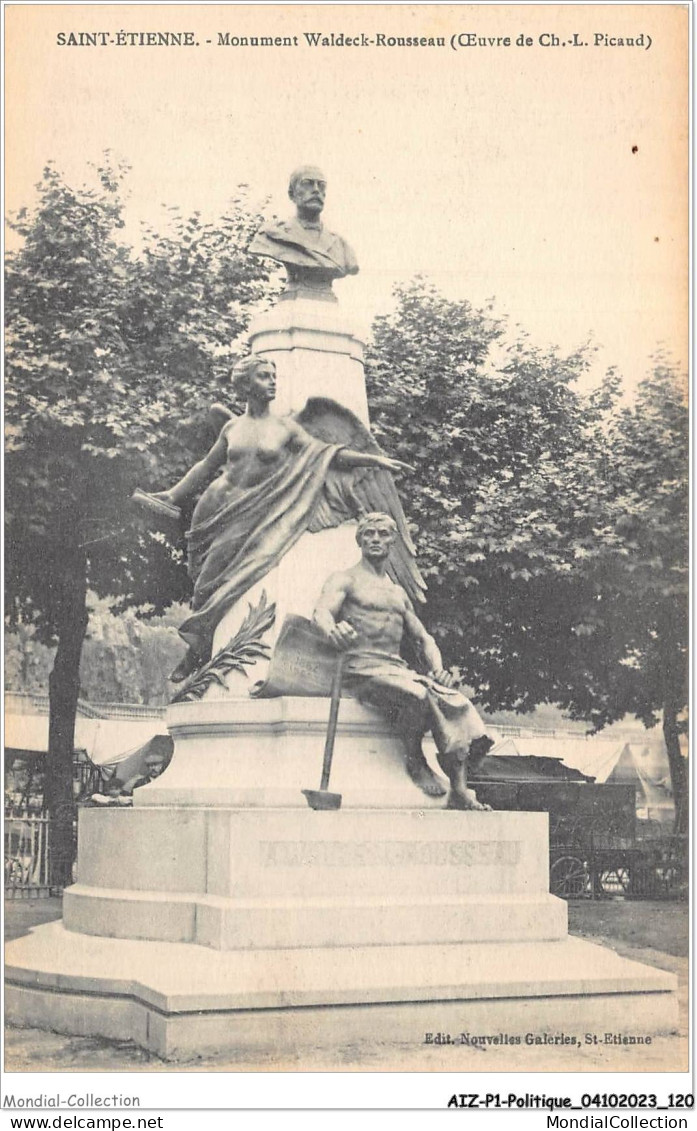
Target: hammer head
{"type": "Point", "coordinates": [322, 799]}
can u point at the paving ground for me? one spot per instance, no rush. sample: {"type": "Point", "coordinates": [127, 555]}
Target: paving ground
{"type": "Point", "coordinates": [653, 933]}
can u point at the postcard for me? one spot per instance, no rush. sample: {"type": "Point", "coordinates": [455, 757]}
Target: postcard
{"type": "Point", "coordinates": [346, 352]}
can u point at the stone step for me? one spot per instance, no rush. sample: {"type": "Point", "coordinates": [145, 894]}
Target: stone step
{"type": "Point", "coordinates": [180, 1000]}
{"type": "Point", "coordinates": [229, 924]}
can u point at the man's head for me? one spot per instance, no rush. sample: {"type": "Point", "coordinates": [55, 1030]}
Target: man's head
{"type": "Point", "coordinates": [154, 765]}
{"type": "Point", "coordinates": [375, 534]}
{"type": "Point", "coordinates": [307, 190]}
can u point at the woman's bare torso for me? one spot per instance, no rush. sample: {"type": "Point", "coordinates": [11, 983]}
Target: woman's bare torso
{"type": "Point", "coordinates": [255, 450]}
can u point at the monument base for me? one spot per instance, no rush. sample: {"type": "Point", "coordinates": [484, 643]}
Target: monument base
{"type": "Point", "coordinates": [181, 1001]}
{"type": "Point", "coordinates": [264, 752]}
{"type": "Point", "coordinates": [195, 930]}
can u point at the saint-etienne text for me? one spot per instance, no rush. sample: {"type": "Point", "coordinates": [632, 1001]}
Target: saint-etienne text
{"type": "Point", "coordinates": [458, 41]}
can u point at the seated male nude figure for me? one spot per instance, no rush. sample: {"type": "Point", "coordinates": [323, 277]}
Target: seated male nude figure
{"type": "Point", "coordinates": [364, 613]}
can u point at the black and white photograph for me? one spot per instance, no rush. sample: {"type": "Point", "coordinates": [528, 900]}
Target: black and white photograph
{"type": "Point", "coordinates": [346, 557]}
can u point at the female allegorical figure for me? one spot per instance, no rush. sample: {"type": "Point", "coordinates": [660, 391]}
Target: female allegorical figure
{"type": "Point", "coordinates": [269, 487]}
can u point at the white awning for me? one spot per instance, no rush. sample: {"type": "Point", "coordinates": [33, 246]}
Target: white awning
{"type": "Point", "coordinates": [106, 741]}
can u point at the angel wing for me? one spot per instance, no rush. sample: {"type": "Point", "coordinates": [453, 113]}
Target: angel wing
{"type": "Point", "coordinates": [350, 494]}
{"type": "Point", "coordinates": [220, 414]}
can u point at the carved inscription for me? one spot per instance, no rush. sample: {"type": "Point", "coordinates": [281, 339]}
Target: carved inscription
{"type": "Point", "coordinates": [303, 662]}
{"type": "Point", "coordinates": [388, 853]}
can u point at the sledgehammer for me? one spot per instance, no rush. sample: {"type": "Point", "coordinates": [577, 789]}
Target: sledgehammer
{"type": "Point", "coordinates": [321, 798]}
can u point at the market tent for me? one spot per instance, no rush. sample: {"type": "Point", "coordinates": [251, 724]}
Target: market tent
{"type": "Point", "coordinates": [504, 765]}
{"type": "Point", "coordinates": [609, 761]}
{"type": "Point", "coordinates": [120, 745]}
{"type": "Point", "coordinates": [26, 734]}
{"type": "Point", "coordinates": [594, 757]}
{"type": "Point", "coordinates": [134, 763]}
{"type": "Point", "coordinates": [650, 775]}
{"type": "Point", "coordinates": [109, 741]}
{"type": "Point", "coordinates": [103, 740]}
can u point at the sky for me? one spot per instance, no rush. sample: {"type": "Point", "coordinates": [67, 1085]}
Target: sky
{"type": "Point", "coordinates": [552, 178]}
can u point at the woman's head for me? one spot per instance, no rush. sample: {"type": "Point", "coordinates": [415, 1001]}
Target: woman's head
{"type": "Point", "coordinates": [244, 372]}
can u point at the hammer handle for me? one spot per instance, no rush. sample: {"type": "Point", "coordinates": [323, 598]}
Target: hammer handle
{"type": "Point", "coordinates": [333, 716]}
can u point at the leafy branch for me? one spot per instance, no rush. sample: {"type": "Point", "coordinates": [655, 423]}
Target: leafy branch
{"type": "Point", "coordinates": [242, 651]}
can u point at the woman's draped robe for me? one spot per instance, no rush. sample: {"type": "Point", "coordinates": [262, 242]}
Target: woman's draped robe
{"type": "Point", "coordinates": [238, 534]}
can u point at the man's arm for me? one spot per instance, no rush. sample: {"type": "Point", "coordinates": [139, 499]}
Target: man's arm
{"type": "Point", "coordinates": [426, 645]}
{"type": "Point", "coordinates": [332, 597]}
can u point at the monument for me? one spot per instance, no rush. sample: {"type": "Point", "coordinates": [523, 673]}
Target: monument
{"type": "Point", "coordinates": [220, 912]}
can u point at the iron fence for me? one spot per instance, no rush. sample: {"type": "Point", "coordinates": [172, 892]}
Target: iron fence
{"type": "Point", "coordinates": [27, 855]}
{"type": "Point", "coordinates": [595, 861]}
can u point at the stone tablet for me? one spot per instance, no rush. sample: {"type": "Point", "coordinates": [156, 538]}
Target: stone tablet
{"type": "Point", "coordinates": [303, 662]}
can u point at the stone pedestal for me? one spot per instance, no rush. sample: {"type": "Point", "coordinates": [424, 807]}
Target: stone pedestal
{"type": "Point", "coordinates": [317, 353]}
{"type": "Point", "coordinates": [261, 753]}
{"type": "Point", "coordinates": [276, 879]}
{"type": "Point", "coordinates": [293, 586]}
{"type": "Point", "coordinates": [210, 929]}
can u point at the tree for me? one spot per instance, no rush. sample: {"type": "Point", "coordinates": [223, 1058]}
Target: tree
{"type": "Point", "coordinates": [507, 494]}
{"type": "Point", "coordinates": [125, 657]}
{"type": "Point", "coordinates": [642, 638]}
{"type": "Point", "coordinates": [108, 354]}
{"type": "Point", "coordinates": [550, 524]}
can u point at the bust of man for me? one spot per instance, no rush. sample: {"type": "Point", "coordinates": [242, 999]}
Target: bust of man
{"type": "Point", "coordinates": [312, 255]}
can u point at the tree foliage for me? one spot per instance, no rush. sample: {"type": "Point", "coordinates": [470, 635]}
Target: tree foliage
{"type": "Point", "coordinates": [550, 522]}
{"type": "Point", "coordinates": [507, 495]}
{"type": "Point", "coordinates": [111, 360]}
{"type": "Point", "coordinates": [639, 660]}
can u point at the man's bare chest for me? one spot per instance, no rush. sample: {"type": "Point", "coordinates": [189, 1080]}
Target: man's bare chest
{"type": "Point", "coordinates": [376, 595]}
